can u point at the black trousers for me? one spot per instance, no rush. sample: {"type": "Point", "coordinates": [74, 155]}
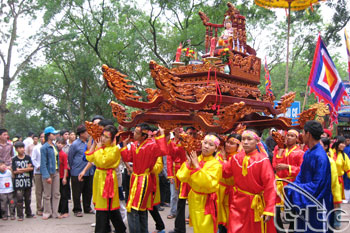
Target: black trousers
{"type": "Point", "coordinates": [180, 224]}
{"type": "Point", "coordinates": [65, 191]}
{"type": "Point", "coordinates": [82, 188]}
{"type": "Point", "coordinates": [157, 218]}
{"type": "Point", "coordinates": [102, 221]}
{"type": "Point", "coordinates": [164, 187]}
{"type": "Point", "coordinates": [23, 195]}
{"type": "Point", "coordinates": [126, 184]}
{"type": "Point", "coordinates": [69, 189]}
{"type": "Point", "coordinates": [222, 229]}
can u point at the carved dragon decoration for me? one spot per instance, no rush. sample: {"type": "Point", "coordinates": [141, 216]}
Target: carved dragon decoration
{"type": "Point", "coordinates": [165, 80]}
{"type": "Point", "coordinates": [118, 112]}
{"type": "Point", "coordinates": [279, 139]}
{"type": "Point", "coordinates": [190, 143]}
{"type": "Point", "coordinates": [285, 102]}
{"type": "Point", "coordinates": [306, 115]}
{"type": "Point", "coordinates": [95, 130]}
{"type": "Point", "coordinates": [322, 110]}
{"type": "Point", "coordinates": [229, 115]}
{"type": "Point", "coordinates": [118, 83]}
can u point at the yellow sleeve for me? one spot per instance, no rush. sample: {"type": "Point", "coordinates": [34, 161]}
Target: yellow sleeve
{"type": "Point", "coordinates": [90, 155]}
{"type": "Point", "coordinates": [158, 167]}
{"type": "Point", "coordinates": [336, 188]}
{"type": "Point", "coordinates": [108, 157]}
{"type": "Point", "coordinates": [206, 179]}
{"type": "Point", "coordinates": [184, 173]}
{"type": "Point", "coordinates": [347, 165]}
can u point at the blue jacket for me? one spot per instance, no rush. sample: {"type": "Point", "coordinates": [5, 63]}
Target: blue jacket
{"type": "Point", "coordinates": [48, 160]}
{"type": "Point", "coordinates": [314, 179]}
{"type": "Point", "coordinates": [76, 158]}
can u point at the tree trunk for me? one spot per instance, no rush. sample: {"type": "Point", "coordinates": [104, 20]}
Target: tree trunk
{"type": "Point", "coordinates": [3, 102]}
{"type": "Point", "coordinates": [83, 101]}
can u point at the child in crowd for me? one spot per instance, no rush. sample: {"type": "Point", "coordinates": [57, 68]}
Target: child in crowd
{"type": "Point", "coordinates": [7, 197]}
{"type": "Point", "coordinates": [22, 168]}
{"type": "Point", "coordinates": [64, 186]}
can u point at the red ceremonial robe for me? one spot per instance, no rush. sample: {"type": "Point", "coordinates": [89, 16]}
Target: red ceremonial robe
{"type": "Point", "coordinates": [254, 194]}
{"type": "Point", "coordinates": [294, 158]}
{"type": "Point", "coordinates": [142, 184]}
{"type": "Point", "coordinates": [176, 157]}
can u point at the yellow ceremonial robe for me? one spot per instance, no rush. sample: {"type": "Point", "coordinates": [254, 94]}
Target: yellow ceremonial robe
{"type": "Point", "coordinates": [343, 166]}
{"type": "Point", "coordinates": [225, 193]}
{"type": "Point", "coordinates": [158, 167]}
{"type": "Point", "coordinates": [106, 160]}
{"type": "Point", "coordinates": [202, 199]}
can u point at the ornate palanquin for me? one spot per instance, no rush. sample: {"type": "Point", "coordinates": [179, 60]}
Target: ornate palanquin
{"type": "Point", "coordinates": [203, 95]}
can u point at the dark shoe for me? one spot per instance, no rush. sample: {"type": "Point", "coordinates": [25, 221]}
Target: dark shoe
{"type": "Point", "coordinates": [161, 209]}
{"type": "Point", "coordinates": [164, 204]}
{"type": "Point", "coordinates": [171, 216]}
{"type": "Point", "coordinates": [89, 212]}
{"type": "Point", "coordinates": [30, 216]}
{"type": "Point", "coordinates": [78, 214]}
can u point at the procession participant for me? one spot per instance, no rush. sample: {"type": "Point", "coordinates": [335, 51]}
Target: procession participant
{"type": "Point", "coordinates": [253, 198]}
{"type": "Point", "coordinates": [106, 156]}
{"type": "Point", "coordinates": [158, 167]}
{"type": "Point", "coordinates": [203, 174]}
{"type": "Point", "coordinates": [336, 188]}
{"type": "Point", "coordinates": [326, 134]}
{"type": "Point", "coordinates": [143, 153]}
{"type": "Point", "coordinates": [315, 179]}
{"type": "Point", "coordinates": [286, 163]}
{"type": "Point", "coordinates": [226, 184]}
{"type": "Point", "coordinates": [177, 157]}
{"type": "Point", "coordinates": [342, 161]}
{"type": "Point", "coordinates": [343, 167]}
{"type": "Point", "coordinates": [346, 179]}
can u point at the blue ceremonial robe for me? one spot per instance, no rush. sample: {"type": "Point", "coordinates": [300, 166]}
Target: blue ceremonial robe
{"type": "Point", "coordinates": [315, 178]}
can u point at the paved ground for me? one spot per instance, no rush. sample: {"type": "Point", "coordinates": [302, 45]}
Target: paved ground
{"type": "Point", "coordinates": [70, 224]}
{"type": "Point", "coordinates": [83, 225]}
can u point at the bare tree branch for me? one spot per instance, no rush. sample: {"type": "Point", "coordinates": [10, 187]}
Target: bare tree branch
{"type": "Point", "coordinates": [2, 58]}
{"type": "Point", "coordinates": [40, 46]}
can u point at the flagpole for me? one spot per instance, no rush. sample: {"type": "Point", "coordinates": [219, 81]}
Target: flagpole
{"type": "Point", "coordinates": [305, 98]}
{"type": "Point", "coordinates": [287, 63]}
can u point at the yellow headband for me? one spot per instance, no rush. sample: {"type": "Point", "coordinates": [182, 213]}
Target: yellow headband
{"type": "Point", "coordinates": [213, 139]}
{"type": "Point", "coordinates": [294, 131]}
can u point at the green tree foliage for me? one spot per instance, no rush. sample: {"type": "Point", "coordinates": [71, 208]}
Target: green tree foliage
{"type": "Point", "coordinates": [68, 88]}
